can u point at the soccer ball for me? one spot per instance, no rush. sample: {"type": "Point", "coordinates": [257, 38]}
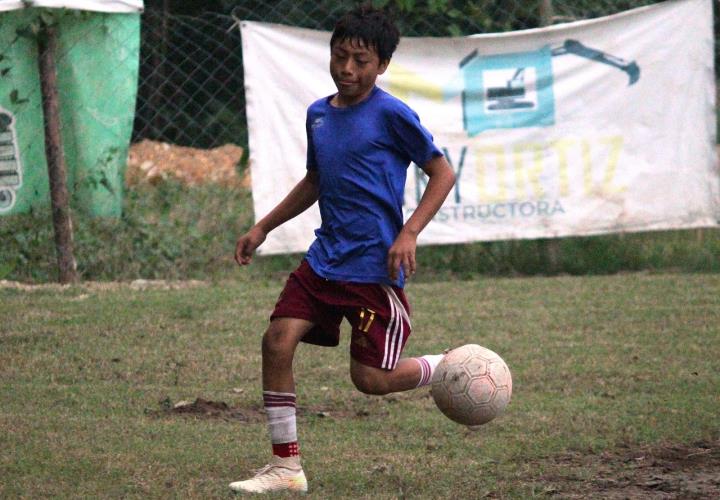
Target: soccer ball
{"type": "Point", "coordinates": [471, 385]}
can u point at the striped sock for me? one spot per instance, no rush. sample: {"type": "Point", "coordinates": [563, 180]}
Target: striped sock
{"type": "Point", "coordinates": [285, 450]}
{"type": "Point", "coordinates": [427, 363]}
{"type": "Point", "coordinates": [280, 409]}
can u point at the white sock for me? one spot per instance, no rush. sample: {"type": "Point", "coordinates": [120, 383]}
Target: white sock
{"type": "Point", "coordinates": [280, 409]}
{"type": "Point", "coordinates": [427, 363]}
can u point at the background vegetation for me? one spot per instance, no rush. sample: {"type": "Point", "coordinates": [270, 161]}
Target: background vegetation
{"type": "Point", "coordinates": [459, 17]}
{"type": "Point", "coordinates": [199, 102]}
{"type": "Point", "coordinates": [172, 231]}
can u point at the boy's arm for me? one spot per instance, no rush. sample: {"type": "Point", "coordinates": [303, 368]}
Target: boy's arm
{"type": "Point", "coordinates": [402, 252]}
{"type": "Point", "coordinates": [303, 196]}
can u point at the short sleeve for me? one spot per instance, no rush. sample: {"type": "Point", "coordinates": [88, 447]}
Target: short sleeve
{"type": "Point", "coordinates": [410, 137]}
{"type": "Point", "coordinates": [311, 163]}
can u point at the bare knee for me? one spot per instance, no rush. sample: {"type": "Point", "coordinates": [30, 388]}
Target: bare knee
{"type": "Point", "coordinates": [278, 342]}
{"type": "Point", "coordinates": [371, 381]}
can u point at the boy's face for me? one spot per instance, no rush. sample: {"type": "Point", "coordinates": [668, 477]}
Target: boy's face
{"type": "Point", "coordinates": [354, 68]}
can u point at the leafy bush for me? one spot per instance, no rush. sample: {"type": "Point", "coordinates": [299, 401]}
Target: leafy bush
{"type": "Point", "coordinates": [167, 231]}
{"type": "Point", "coordinates": [171, 231]}
{"type": "Point", "coordinates": [684, 251]}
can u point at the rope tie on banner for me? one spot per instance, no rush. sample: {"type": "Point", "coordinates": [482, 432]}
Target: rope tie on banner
{"type": "Point", "coordinates": [237, 21]}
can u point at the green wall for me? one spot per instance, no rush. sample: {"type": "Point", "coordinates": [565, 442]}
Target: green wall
{"type": "Point", "coordinates": [97, 65]}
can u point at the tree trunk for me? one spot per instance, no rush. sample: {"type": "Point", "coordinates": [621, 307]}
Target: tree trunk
{"type": "Point", "coordinates": [57, 173]}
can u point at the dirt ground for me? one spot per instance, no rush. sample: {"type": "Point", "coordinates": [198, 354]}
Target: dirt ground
{"type": "Point", "coordinates": [660, 472]}
{"type": "Point", "coordinates": [650, 472]}
{"type": "Point", "coordinates": [151, 161]}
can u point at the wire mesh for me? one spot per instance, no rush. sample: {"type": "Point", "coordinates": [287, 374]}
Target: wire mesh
{"type": "Point", "coordinates": [190, 88]}
{"type": "Point", "coordinates": [191, 81]}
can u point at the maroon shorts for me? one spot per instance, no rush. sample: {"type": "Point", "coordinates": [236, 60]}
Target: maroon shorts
{"type": "Point", "coordinates": [379, 315]}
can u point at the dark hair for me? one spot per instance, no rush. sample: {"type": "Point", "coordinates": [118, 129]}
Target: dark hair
{"type": "Point", "coordinates": [373, 27]}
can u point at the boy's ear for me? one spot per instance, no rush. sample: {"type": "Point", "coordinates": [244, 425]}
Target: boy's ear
{"type": "Point", "coordinates": [383, 66]}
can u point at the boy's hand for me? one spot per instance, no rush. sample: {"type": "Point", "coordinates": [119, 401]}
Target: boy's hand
{"type": "Point", "coordinates": [402, 253]}
{"type": "Point", "coordinates": [246, 245]}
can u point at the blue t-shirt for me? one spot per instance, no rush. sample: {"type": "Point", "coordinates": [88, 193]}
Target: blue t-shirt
{"type": "Point", "coordinates": [361, 154]}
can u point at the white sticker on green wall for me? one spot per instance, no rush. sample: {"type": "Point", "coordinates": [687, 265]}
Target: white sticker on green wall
{"type": "Point", "coordinates": [10, 166]}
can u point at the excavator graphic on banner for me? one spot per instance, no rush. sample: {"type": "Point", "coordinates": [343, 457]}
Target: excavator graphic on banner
{"type": "Point", "coordinates": [522, 95]}
{"type": "Point", "coordinates": [578, 49]}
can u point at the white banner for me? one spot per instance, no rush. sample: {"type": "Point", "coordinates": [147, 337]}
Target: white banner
{"type": "Point", "coordinates": [592, 127]}
{"type": "Point", "coordinates": [115, 6]}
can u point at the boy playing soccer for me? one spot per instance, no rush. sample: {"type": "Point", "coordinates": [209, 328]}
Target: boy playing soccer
{"type": "Point", "coordinates": [361, 141]}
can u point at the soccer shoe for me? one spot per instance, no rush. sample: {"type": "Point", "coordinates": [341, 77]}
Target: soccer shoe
{"type": "Point", "coordinates": [279, 475]}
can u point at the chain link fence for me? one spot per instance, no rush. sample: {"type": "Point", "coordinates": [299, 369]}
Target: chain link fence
{"type": "Point", "coordinates": [190, 93]}
{"type": "Point", "coordinates": [191, 79]}
{"type": "Point", "coordinates": [190, 90]}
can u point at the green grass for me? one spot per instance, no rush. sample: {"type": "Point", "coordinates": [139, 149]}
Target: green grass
{"type": "Point", "coordinates": [599, 364]}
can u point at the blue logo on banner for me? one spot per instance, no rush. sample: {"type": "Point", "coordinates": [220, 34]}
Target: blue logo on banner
{"type": "Point", "coordinates": [515, 90]}
{"type": "Point", "coordinates": [508, 90]}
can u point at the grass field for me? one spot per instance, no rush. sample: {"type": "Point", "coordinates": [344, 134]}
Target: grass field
{"type": "Point", "coordinates": [616, 392]}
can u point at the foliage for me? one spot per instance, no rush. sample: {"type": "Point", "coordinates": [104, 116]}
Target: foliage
{"type": "Point", "coordinates": [167, 230]}
{"type": "Point", "coordinates": [687, 251]}
{"type": "Point", "coordinates": [172, 231]}
{"type": "Point", "coordinates": [181, 98]}
{"type": "Point", "coordinates": [416, 17]}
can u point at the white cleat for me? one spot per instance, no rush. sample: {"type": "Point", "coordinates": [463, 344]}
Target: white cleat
{"type": "Point", "coordinates": [280, 474]}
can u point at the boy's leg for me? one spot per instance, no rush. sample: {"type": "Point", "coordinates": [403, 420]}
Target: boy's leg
{"type": "Point", "coordinates": [380, 328]}
{"type": "Point", "coordinates": [278, 349]}
{"type": "Point", "coordinates": [299, 314]}
{"type": "Point", "coordinates": [409, 373]}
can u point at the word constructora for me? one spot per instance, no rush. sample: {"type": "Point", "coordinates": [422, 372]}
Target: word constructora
{"type": "Point", "coordinates": [509, 210]}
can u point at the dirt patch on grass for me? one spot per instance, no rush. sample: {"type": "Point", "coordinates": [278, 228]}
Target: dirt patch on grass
{"type": "Point", "coordinates": [658, 472]}
{"type": "Point", "coordinates": [203, 408]}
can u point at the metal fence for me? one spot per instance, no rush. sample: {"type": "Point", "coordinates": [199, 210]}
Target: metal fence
{"type": "Point", "coordinates": [191, 78]}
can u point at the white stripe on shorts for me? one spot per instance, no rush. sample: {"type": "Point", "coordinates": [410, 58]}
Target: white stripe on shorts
{"type": "Point", "coordinates": [387, 336]}
{"type": "Point", "coordinates": [395, 329]}
{"type": "Point", "coordinates": [394, 298]}
{"type": "Point", "coordinates": [396, 324]}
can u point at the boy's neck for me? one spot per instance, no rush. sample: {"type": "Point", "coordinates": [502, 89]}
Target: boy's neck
{"type": "Point", "coordinates": [339, 101]}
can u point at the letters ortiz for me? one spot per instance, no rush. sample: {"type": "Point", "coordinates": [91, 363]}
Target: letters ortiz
{"type": "Point", "coordinates": [526, 179]}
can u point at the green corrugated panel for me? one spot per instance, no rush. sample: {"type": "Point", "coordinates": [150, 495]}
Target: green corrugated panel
{"type": "Point", "coordinates": [97, 64]}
